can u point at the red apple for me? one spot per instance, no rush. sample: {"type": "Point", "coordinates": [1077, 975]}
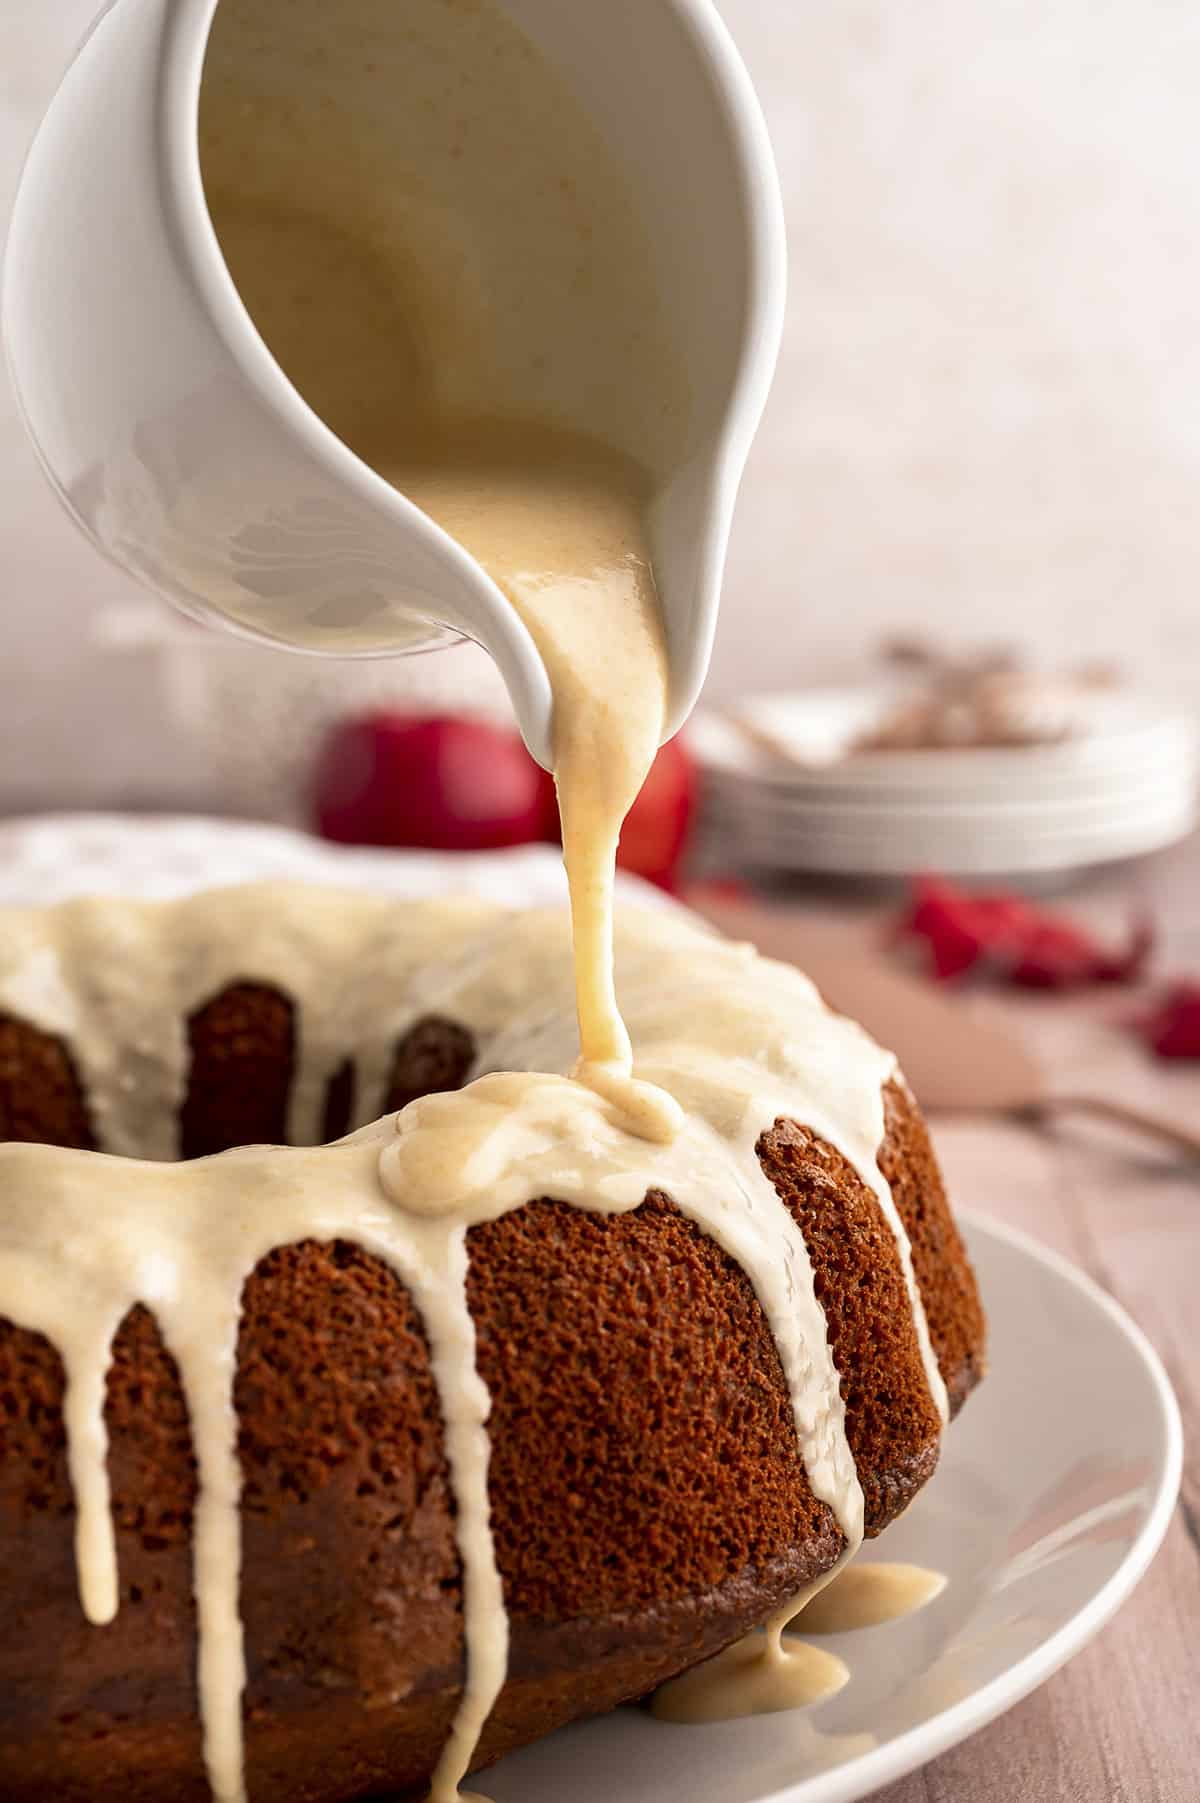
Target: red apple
{"type": "Point", "coordinates": [434, 780]}
{"type": "Point", "coordinates": [655, 836]}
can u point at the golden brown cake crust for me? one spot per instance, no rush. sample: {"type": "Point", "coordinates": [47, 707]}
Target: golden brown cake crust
{"type": "Point", "coordinates": [242, 1053]}
{"type": "Point", "coordinates": [41, 1098]}
{"type": "Point", "coordinates": [648, 1499]}
{"type": "Point", "coordinates": [943, 1271]}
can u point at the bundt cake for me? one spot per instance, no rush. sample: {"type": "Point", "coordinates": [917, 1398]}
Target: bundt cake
{"type": "Point", "coordinates": [704, 1368]}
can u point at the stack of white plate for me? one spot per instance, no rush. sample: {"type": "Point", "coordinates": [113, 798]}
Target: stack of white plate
{"type": "Point", "coordinates": [1124, 785]}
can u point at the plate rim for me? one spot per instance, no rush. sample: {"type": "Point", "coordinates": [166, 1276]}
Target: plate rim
{"type": "Point", "coordinates": [1157, 721]}
{"type": "Point", "coordinates": [917, 1746]}
{"type": "Point", "coordinates": [1050, 857]}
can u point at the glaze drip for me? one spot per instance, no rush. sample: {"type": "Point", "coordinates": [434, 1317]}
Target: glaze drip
{"type": "Point", "coordinates": [764, 1673]}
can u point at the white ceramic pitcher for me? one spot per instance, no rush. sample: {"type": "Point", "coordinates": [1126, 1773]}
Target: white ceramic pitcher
{"type": "Point", "coordinates": [177, 443]}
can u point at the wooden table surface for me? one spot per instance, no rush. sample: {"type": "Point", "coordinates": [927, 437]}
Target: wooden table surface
{"type": "Point", "coordinates": [1121, 1722]}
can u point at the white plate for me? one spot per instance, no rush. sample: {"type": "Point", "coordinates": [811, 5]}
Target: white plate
{"type": "Point", "coordinates": [1055, 1489]}
{"type": "Point", "coordinates": [1127, 732]}
{"type": "Point", "coordinates": [923, 847]}
{"type": "Point", "coordinates": [896, 843]}
{"type": "Point", "coordinates": [1037, 809]}
{"type": "Point", "coordinates": [936, 838]}
{"type": "Point", "coordinates": [1126, 788]}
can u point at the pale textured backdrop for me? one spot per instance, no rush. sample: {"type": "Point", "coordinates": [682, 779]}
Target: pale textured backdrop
{"type": "Point", "coordinates": [988, 411]}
